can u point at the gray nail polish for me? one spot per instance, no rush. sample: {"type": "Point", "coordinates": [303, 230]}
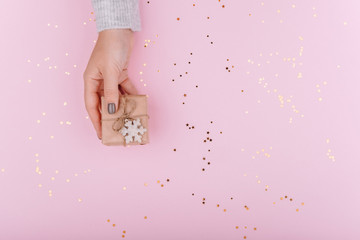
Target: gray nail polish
{"type": "Point", "coordinates": [111, 108]}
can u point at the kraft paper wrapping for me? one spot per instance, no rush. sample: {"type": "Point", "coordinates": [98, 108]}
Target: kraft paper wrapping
{"type": "Point", "coordinates": [136, 105]}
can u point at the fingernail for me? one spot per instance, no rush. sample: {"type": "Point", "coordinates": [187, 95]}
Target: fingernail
{"type": "Point", "coordinates": [111, 108]}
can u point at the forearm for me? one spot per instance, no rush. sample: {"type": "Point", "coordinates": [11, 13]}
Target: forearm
{"type": "Point", "coordinates": [113, 14]}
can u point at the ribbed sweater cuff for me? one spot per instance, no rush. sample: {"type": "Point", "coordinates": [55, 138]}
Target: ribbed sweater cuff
{"type": "Point", "coordinates": [112, 14]}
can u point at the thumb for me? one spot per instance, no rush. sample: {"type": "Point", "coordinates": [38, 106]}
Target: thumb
{"type": "Point", "coordinates": [111, 90]}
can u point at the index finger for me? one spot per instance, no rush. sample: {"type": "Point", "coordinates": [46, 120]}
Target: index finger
{"type": "Point", "coordinates": [92, 103]}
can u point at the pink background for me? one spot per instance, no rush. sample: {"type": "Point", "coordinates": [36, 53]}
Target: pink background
{"type": "Point", "coordinates": [284, 161]}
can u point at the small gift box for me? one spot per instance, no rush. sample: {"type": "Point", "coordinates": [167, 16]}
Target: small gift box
{"type": "Point", "coordinates": [128, 125]}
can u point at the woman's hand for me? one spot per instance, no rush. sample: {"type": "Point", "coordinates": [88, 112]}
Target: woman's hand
{"type": "Point", "coordinates": [106, 70]}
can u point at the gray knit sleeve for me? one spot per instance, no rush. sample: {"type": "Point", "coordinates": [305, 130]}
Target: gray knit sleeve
{"type": "Point", "coordinates": [112, 14]}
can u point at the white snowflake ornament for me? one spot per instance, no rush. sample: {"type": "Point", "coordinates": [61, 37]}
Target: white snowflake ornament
{"type": "Point", "coordinates": [132, 130]}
